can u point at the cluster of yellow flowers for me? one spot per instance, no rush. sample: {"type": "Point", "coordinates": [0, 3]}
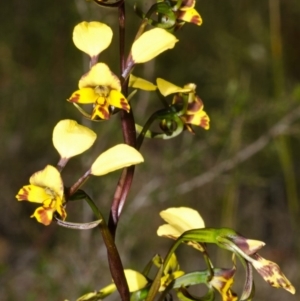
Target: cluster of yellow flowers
{"type": "Point", "coordinates": [102, 89]}
{"type": "Point", "coordinates": [70, 139]}
{"type": "Point", "coordinates": [181, 220]}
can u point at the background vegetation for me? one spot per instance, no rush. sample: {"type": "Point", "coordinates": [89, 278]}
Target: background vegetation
{"type": "Point", "coordinates": [242, 173]}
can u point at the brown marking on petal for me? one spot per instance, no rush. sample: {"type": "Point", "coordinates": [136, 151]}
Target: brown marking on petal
{"type": "Point", "coordinates": [105, 113]}
{"type": "Point", "coordinates": [195, 106]}
{"type": "Point", "coordinates": [187, 4]}
{"type": "Point", "coordinates": [272, 274]}
{"type": "Point", "coordinates": [190, 119]}
{"type": "Point", "coordinates": [124, 104]}
{"type": "Point", "coordinates": [187, 118]}
{"type": "Point", "coordinates": [204, 122]}
{"type": "Point", "coordinates": [248, 246]}
{"type": "Point", "coordinates": [178, 99]}
{"type": "Point", "coordinates": [74, 97]}
{"type": "Point", "coordinates": [100, 111]}
{"type": "Point", "coordinates": [43, 216]}
{"type": "Point", "coordinates": [196, 20]}
{"type": "Point", "coordinates": [63, 212]}
{"type": "Point", "coordinates": [23, 194]}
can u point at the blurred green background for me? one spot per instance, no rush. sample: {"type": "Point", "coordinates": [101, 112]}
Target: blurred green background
{"type": "Point", "coordinates": [242, 173]}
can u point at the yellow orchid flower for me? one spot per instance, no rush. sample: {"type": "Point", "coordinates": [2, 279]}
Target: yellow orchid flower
{"type": "Point", "coordinates": [191, 106]}
{"type": "Point", "coordinates": [102, 88]}
{"type": "Point", "coordinates": [92, 37]}
{"type": "Point", "coordinates": [152, 43]}
{"type": "Point", "coordinates": [171, 272]}
{"type": "Point", "coordinates": [222, 281]}
{"type": "Point", "coordinates": [187, 13]}
{"type": "Point", "coordinates": [46, 188]}
{"type": "Point", "coordinates": [183, 219]}
{"type": "Point", "coordinates": [71, 139]}
{"type": "Point", "coordinates": [119, 156]}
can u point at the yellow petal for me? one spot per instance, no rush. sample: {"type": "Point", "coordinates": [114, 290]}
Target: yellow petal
{"type": "Point", "coordinates": [101, 111]}
{"type": "Point", "coordinates": [60, 209]}
{"type": "Point", "coordinates": [118, 100]}
{"type": "Point", "coordinates": [100, 75]}
{"type": "Point", "coordinates": [135, 280]}
{"type": "Point", "coordinates": [151, 43]}
{"type": "Point", "coordinates": [92, 37]}
{"type": "Point", "coordinates": [119, 156]}
{"type": "Point", "coordinates": [172, 265]}
{"type": "Point", "coordinates": [222, 281]}
{"type": "Point", "coordinates": [48, 178]}
{"type": "Point", "coordinates": [199, 119]}
{"type": "Point", "coordinates": [272, 274]}
{"type": "Point", "coordinates": [179, 220]}
{"type": "Point", "coordinates": [43, 215]}
{"type": "Point", "coordinates": [98, 295]}
{"type": "Point", "coordinates": [33, 194]}
{"type": "Point", "coordinates": [140, 83]}
{"type": "Point", "coordinates": [191, 16]}
{"type": "Point", "coordinates": [71, 139]}
{"type": "Point", "coordinates": [84, 95]}
{"type": "Point", "coordinates": [166, 88]}
{"type": "Point", "coordinates": [167, 279]}
{"type": "Point", "coordinates": [168, 231]}
{"type": "Point", "coordinates": [252, 246]}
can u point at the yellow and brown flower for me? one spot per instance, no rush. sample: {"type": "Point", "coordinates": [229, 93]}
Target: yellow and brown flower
{"type": "Point", "coordinates": [102, 88]}
{"type": "Point", "coordinates": [188, 13]}
{"type": "Point", "coordinates": [46, 188]}
{"type": "Point", "coordinates": [189, 105]}
{"type": "Point", "coordinates": [222, 281]}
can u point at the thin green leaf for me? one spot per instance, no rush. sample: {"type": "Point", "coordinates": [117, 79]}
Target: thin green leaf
{"type": "Point", "coordinates": [192, 279]}
{"type": "Point", "coordinates": [78, 226]}
{"type": "Point", "coordinates": [184, 295]}
{"type": "Point", "coordinates": [155, 285]}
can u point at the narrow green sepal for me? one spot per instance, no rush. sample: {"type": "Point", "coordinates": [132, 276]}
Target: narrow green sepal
{"type": "Point", "coordinates": [78, 226]}
{"type": "Point", "coordinates": [184, 295]}
{"type": "Point", "coordinates": [149, 265]}
{"type": "Point", "coordinates": [192, 279]}
{"type": "Point", "coordinates": [82, 111]}
{"type": "Point", "coordinates": [155, 285]}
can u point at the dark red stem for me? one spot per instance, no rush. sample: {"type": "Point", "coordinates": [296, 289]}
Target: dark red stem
{"type": "Point", "coordinates": [129, 135]}
{"type": "Point", "coordinates": [124, 184]}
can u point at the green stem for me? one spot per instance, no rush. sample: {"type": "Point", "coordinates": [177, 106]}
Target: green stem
{"type": "Point", "coordinates": [146, 127]}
